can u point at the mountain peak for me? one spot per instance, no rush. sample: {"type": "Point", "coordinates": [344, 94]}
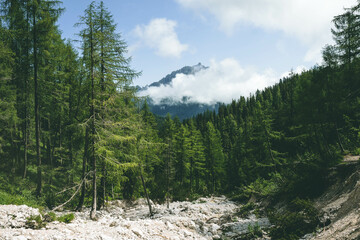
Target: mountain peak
{"type": "Point", "coordinates": [167, 80]}
{"type": "Point", "coordinates": [183, 108]}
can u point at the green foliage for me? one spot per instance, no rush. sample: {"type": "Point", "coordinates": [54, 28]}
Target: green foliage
{"type": "Point", "coordinates": [255, 231]}
{"type": "Point", "coordinates": [40, 221]}
{"type": "Point", "coordinates": [244, 211]}
{"type": "Point", "coordinates": [50, 217]}
{"type": "Point", "coordinates": [299, 218]}
{"type": "Point", "coordinates": [18, 192]}
{"type": "Point", "coordinates": [25, 198]}
{"type": "Point", "coordinates": [35, 222]}
{"type": "Point", "coordinates": [265, 188]}
{"type": "Point", "coordinates": [66, 218]}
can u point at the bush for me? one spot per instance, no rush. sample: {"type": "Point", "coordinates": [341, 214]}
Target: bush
{"type": "Point", "coordinates": [255, 231]}
{"type": "Point", "coordinates": [299, 218]}
{"type": "Point", "coordinates": [35, 222]}
{"type": "Point", "coordinates": [265, 188]}
{"type": "Point", "coordinates": [240, 196]}
{"type": "Point", "coordinates": [244, 211]}
{"type": "Point", "coordinates": [50, 217]}
{"type": "Point", "coordinates": [40, 221]}
{"type": "Point", "coordinates": [67, 218]}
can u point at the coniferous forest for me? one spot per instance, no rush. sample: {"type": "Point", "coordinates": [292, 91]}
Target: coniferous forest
{"type": "Point", "coordinates": [73, 131]}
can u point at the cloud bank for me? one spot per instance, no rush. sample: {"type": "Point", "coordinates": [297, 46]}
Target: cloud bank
{"type": "Point", "coordinates": [160, 35]}
{"type": "Point", "coordinates": [222, 82]}
{"type": "Point", "coordinates": [307, 20]}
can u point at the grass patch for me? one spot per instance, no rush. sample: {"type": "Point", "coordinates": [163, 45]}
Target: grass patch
{"type": "Point", "coordinates": [25, 198]}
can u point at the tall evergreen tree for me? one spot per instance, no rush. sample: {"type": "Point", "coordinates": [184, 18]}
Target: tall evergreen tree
{"type": "Point", "coordinates": [346, 35]}
{"type": "Point", "coordinates": [214, 158]}
{"type": "Point", "coordinates": [110, 97]}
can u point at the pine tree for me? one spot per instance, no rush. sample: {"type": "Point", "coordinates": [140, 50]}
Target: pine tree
{"type": "Point", "coordinates": [7, 96]}
{"type": "Point", "coordinates": [214, 158]}
{"type": "Point", "coordinates": [17, 17]}
{"type": "Point", "coordinates": [196, 158]}
{"type": "Point", "coordinates": [44, 14]}
{"type": "Point", "coordinates": [168, 135]}
{"type": "Point", "coordinates": [346, 35]}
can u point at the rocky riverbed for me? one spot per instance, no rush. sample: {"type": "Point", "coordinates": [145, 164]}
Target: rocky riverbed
{"type": "Point", "coordinates": [205, 218]}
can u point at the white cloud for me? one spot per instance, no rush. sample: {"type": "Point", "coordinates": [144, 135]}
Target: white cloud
{"type": "Point", "coordinates": [160, 35]}
{"type": "Point", "coordinates": [307, 20]}
{"type": "Point", "coordinates": [297, 70]}
{"type": "Point", "coordinates": [222, 82]}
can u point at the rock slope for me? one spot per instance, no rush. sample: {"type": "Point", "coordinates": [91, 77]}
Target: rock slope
{"type": "Point", "coordinates": [340, 205]}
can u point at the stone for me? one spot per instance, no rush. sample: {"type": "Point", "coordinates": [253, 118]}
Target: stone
{"type": "Point", "coordinates": [20, 238]}
{"type": "Point", "coordinates": [187, 233]}
{"type": "Point", "coordinates": [114, 224]}
{"type": "Point", "coordinates": [214, 228]}
{"type": "Point", "coordinates": [137, 232]}
{"type": "Point", "coordinates": [105, 237]}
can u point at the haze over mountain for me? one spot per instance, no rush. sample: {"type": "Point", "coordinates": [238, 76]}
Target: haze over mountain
{"type": "Point", "coordinates": [184, 107]}
{"type": "Point", "coordinates": [194, 89]}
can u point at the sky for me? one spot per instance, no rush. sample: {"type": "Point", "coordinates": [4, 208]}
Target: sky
{"type": "Point", "coordinates": [247, 44]}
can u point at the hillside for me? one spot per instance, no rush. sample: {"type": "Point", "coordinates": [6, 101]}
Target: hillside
{"type": "Point", "coordinates": [339, 205]}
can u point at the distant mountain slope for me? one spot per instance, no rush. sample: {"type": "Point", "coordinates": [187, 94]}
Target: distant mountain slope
{"type": "Point", "coordinates": [184, 108]}
{"type": "Point", "coordinates": [181, 109]}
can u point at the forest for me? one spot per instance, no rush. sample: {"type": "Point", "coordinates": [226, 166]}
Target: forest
{"type": "Point", "coordinates": [73, 131]}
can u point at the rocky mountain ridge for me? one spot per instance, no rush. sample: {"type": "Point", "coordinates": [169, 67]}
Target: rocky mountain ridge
{"type": "Point", "coordinates": [187, 70]}
{"type": "Point", "coordinates": [184, 108]}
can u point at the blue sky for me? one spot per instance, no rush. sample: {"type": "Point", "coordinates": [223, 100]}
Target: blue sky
{"type": "Point", "coordinates": [249, 44]}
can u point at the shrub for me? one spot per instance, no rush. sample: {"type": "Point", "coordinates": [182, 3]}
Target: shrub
{"type": "Point", "coordinates": [50, 217]}
{"type": "Point", "coordinates": [255, 231]}
{"type": "Point", "coordinates": [67, 218]}
{"type": "Point", "coordinates": [299, 218]}
{"type": "Point", "coordinates": [244, 211]}
{"type": "Point", "coordinates": [35, 222]}
{"type": "Point", "coordinates": [264, 188]}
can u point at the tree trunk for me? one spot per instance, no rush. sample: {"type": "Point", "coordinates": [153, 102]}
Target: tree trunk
{"type": "Point", "coordinates": [37, 115]}
{"type": "Point", "coordinates": [191, 174]}
{"type": "Point", "coordinates": [338, 138]}
{"type": "Point", "coordinates": [93, 205]}
{"type": "Point", "coordinates": [70, 133]}
{"type": "Point", "coordinates": [103, 185]}
{"type": "Point", "coordinates": [145, 191]}
{"type": "Point", "coordinates": [82, 197]}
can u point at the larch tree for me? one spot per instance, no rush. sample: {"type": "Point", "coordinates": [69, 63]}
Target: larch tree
{"type": "Point", "coordinates": [214, 158]}
{"type": "Point", "coordinates": [111, 104]}
{"type": "Point", "coordinates": [346, 35]}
